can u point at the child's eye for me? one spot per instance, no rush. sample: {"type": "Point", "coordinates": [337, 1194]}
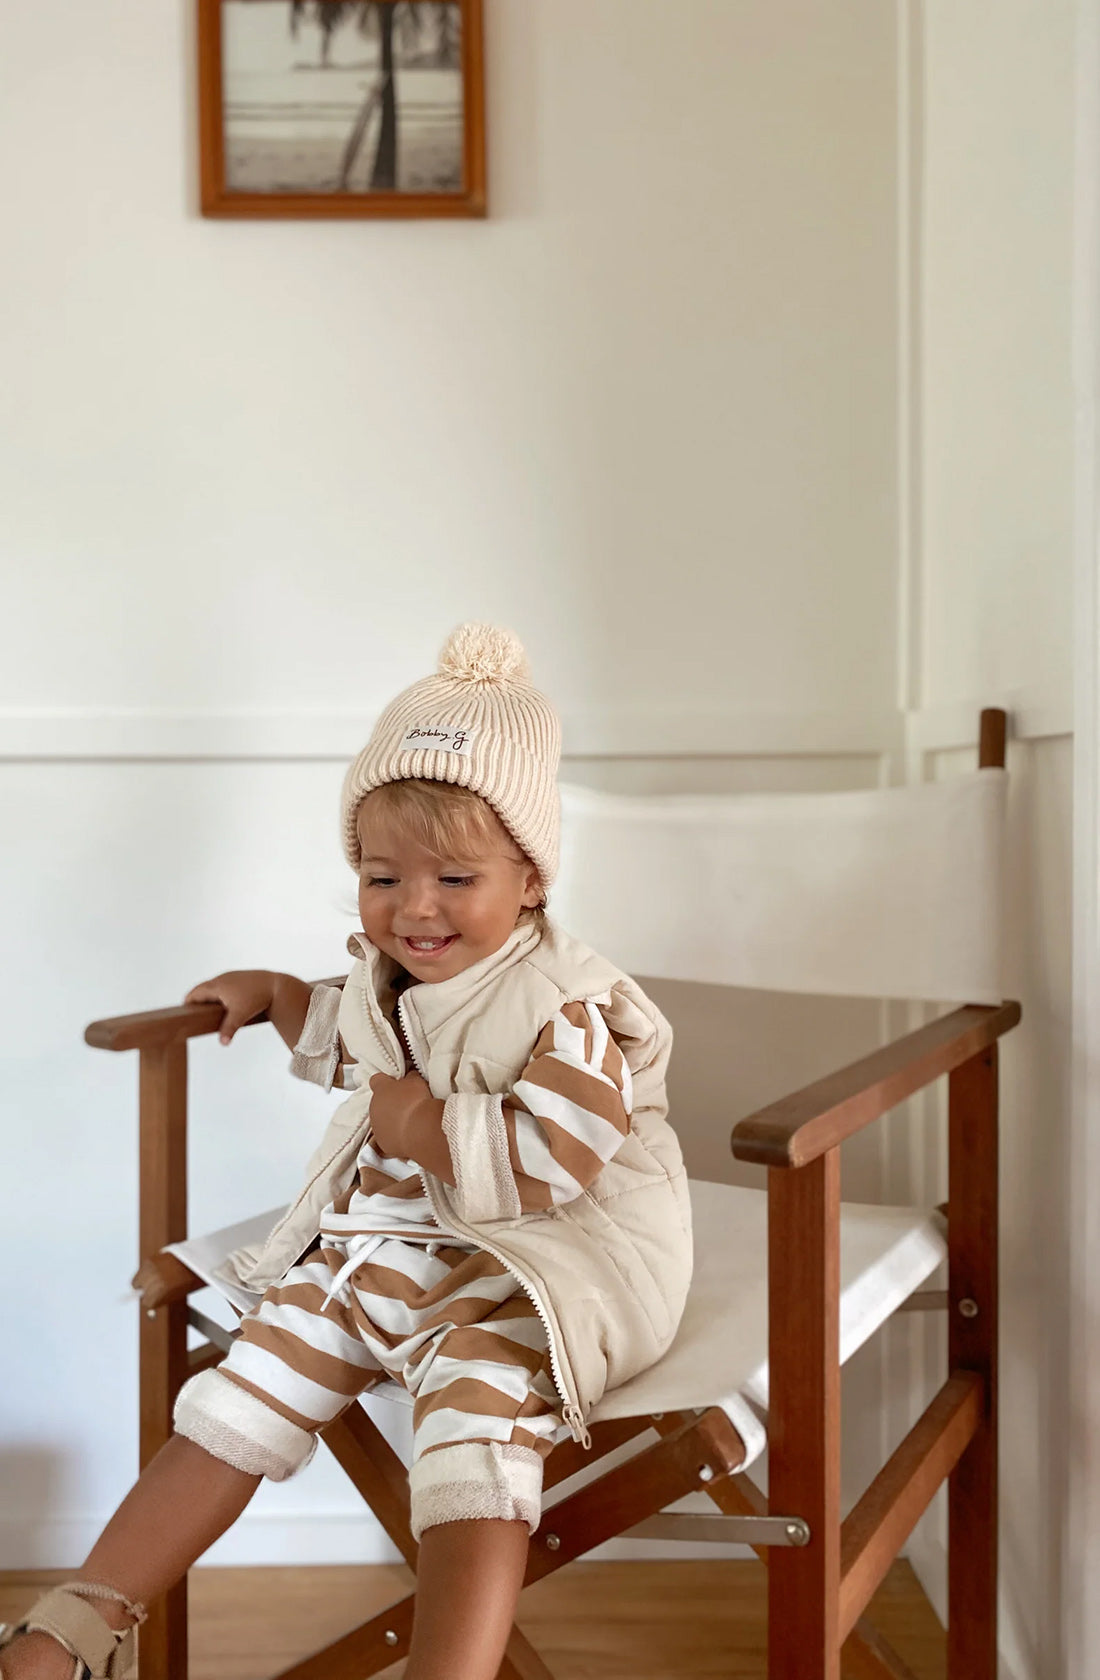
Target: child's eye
{"type": "Point", "coordinates": [458, 880]}
{"type": "Point", "coordinates": [378, 881]}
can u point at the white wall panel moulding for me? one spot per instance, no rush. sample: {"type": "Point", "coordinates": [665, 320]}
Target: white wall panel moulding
{"type": "Point", "coordinates": [1036, 715]}
{"type": "Point", "coordinates": [640, 732]}
{"type": "Point", "coordinates": [257, 1538]}
{"type": "Point", "coordinates": [74, 733]}
{"type": "Point", "coordinates": [650, 731]}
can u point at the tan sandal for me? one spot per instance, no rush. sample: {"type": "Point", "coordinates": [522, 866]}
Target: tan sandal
{"type": "Point", "coordinates": [101, 1652]}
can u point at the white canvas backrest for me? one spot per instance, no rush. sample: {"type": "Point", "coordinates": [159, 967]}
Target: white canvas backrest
{"type": "Point", "coordinates": [891, 893]}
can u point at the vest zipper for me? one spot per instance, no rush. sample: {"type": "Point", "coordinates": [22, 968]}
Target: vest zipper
{"type": "Point", "coordinates": [572, 1414]}
{"type": "Point", "coordinates": [405, 1044]}
{"type": "Point", "coordinates": [402, 1041]}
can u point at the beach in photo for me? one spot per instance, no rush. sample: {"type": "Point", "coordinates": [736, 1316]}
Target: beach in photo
{"type": "Point", "coordinates": [305, 97]}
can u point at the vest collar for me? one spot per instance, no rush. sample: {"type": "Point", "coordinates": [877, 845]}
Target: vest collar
{"type": "Point", "coordinates": [434, 1002]}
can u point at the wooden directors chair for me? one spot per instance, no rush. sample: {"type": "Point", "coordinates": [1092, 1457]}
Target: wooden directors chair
{"type": "Point", "coordinates": [889, 894]}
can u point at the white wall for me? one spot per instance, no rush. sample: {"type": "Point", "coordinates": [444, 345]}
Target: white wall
{"type": "Point", "coordinates": [988, 620]}
{"type": "Point", "coordinates": [253, 473]}
{"type": "Point", "coordinates": [997, 248]}
{"type": "Point", "coordinates": [266, 465]}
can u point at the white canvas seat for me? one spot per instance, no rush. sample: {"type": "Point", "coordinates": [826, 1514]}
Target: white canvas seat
{"type": "Point", "coordinates": [720, 1355]}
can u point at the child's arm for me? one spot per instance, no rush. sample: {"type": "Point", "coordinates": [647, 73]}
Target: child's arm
{"type": "Point", "coordinates": [407, 1122]}
{"type": "Point", "coordinates": [245, 993]}
{"type": "Point", "coordinates": [569, 1112]}
{"type": "Point", "coordinates": [532, 1148]}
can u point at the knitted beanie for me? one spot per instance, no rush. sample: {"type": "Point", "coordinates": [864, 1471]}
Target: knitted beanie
{"type": "Point", "coordinates": [478, 723]}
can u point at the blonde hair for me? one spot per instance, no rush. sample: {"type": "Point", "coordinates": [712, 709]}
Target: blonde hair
{"type": "Point", "coordinates": [447, 820]}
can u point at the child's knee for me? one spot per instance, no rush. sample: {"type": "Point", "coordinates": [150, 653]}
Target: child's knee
{"type": "Point", "coordinates": [476, 1480]}
{"type": "Point", "coordinates": [233, 1425]}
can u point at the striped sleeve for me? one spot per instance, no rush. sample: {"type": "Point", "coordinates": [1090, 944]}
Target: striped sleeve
{"type": "Point", "coordinates": [569, 1111]}
{"type": "Point", "coordinates": [317, 1055]}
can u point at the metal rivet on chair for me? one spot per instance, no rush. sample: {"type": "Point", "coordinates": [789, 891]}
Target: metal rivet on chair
{"type": "Point", "coordinates": [390, 1637]}
{"type": "Point", "coordinates": [968, 1308]}
{"type": "Point", "coordinates": [552, 1542]}
{"type": "Point", "coordinates": [706, 1474]}
{"type": "Point", "coordinates": [150, 1312]}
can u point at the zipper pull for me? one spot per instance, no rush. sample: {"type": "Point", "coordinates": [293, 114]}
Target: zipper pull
{"type": "Point", "coordinates": [574, 1417]}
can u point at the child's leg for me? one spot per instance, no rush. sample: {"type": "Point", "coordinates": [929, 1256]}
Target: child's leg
{"type": "Point", "coordinates": [485, 1418]}
{"type": "Point", "coordinates": [233, 1431]}
{"type": "Point", "coordinates": [468, 1581]}
{"type": "Point", "coordinates": [141, 1554]}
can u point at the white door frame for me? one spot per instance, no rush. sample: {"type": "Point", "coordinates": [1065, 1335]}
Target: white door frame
{"type": "Point", "coordinates": [1081, 1556]}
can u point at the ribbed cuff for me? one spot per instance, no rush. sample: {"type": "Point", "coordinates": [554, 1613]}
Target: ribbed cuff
{"type": "Point", "coordinates": [485, 1185]}
{"type": "Point", "coordinates": [476, 1481]}
{"type": "Point", "coordinates": [316, 1056]}
{"type": "Point", "coordinates": [231, 1424]}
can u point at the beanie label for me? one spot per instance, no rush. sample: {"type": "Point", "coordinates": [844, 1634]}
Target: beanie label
{"type": "Point", "coordinates": [439, 738]}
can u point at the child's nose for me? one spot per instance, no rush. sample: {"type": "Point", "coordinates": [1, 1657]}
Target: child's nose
{"type": "Point", "coordinates": [420, 900]}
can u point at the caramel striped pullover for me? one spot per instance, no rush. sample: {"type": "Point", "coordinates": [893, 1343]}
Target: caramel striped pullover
{"type": "Point", "coordinates": [566, 1117]}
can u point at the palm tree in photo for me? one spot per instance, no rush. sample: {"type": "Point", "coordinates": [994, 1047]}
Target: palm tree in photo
{"type": "Point", "coordinates": [448, 46]}
{"type": "Point", "coordinates": [391, 21]}
{"type": "Point", "coordinates": [327, 14]}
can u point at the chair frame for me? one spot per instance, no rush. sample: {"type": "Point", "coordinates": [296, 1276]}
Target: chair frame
{"type": "Point", "coordinates": [817, 1591]}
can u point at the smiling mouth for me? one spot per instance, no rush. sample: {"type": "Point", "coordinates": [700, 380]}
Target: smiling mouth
{"type": "Point", "coordinates": [429, 947]}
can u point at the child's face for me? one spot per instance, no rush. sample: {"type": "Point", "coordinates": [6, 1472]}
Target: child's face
{"type": "Point", "coordinates": [437, 916]}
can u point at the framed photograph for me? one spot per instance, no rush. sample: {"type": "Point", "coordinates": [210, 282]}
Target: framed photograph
{"type": "Point", "coordinates": [341, 108]}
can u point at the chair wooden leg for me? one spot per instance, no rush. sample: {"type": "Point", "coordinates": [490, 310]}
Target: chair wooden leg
{"type": "Point", "coordinates": [804, 1416]}
{"type": "Point", "coordinates": [366, 1650]}
{"type": "Point", "coordinates": [972, 1346]}
{"type": "Point", "coordinates": [865, 1654]}
{"type": "Point", "coordinates": [162, 1641]}
{"type": "Point", "coordinates": [696, 1453]}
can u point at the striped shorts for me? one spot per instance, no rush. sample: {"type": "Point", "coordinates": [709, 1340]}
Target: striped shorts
{"type": "Point", "coordinates": [446, 1321]}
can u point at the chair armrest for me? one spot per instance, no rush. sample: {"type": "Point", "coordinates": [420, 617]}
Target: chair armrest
{"type": "Point", "coordinates": [168, 1026]}
{"type": "Point", "coordinates": [799, 1128]}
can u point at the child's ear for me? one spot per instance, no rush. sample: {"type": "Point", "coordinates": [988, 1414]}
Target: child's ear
{"type": "Point", "coordinates": [532, 890]}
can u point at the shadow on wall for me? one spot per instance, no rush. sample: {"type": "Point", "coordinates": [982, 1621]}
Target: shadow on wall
{"type": "Point", "coordinates": [32, 1480]}
{"type": "Point", "coordinates": [1036, 1198]}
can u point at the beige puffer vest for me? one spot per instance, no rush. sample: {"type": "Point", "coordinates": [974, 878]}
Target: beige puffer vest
{"type": "Point", "coordinates": [609, 1272]}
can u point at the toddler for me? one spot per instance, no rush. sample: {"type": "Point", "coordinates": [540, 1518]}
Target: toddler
{"type": "Point", "coordinates": [497, 1217]}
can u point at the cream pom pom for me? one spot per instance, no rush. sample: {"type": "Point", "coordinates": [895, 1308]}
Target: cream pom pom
{"type": "Point", "coordinates": [483, 653]}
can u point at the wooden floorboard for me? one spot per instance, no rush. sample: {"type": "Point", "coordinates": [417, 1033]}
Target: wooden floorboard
{"type": "Point", "coordinates": [593, 1621]}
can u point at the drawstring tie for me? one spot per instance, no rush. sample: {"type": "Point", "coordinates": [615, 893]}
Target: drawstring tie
{"type": "Point", "coordinates": [359, 1248]}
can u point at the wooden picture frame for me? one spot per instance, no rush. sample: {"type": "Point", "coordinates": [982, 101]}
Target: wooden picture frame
{"type": "Point", "coordinates": [310, 108]}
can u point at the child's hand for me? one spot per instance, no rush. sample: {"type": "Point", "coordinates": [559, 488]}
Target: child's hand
{"type": "Point", "coordinates": [243, 993]}
{"type": "Point", "coordinates": [395, 1107]}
